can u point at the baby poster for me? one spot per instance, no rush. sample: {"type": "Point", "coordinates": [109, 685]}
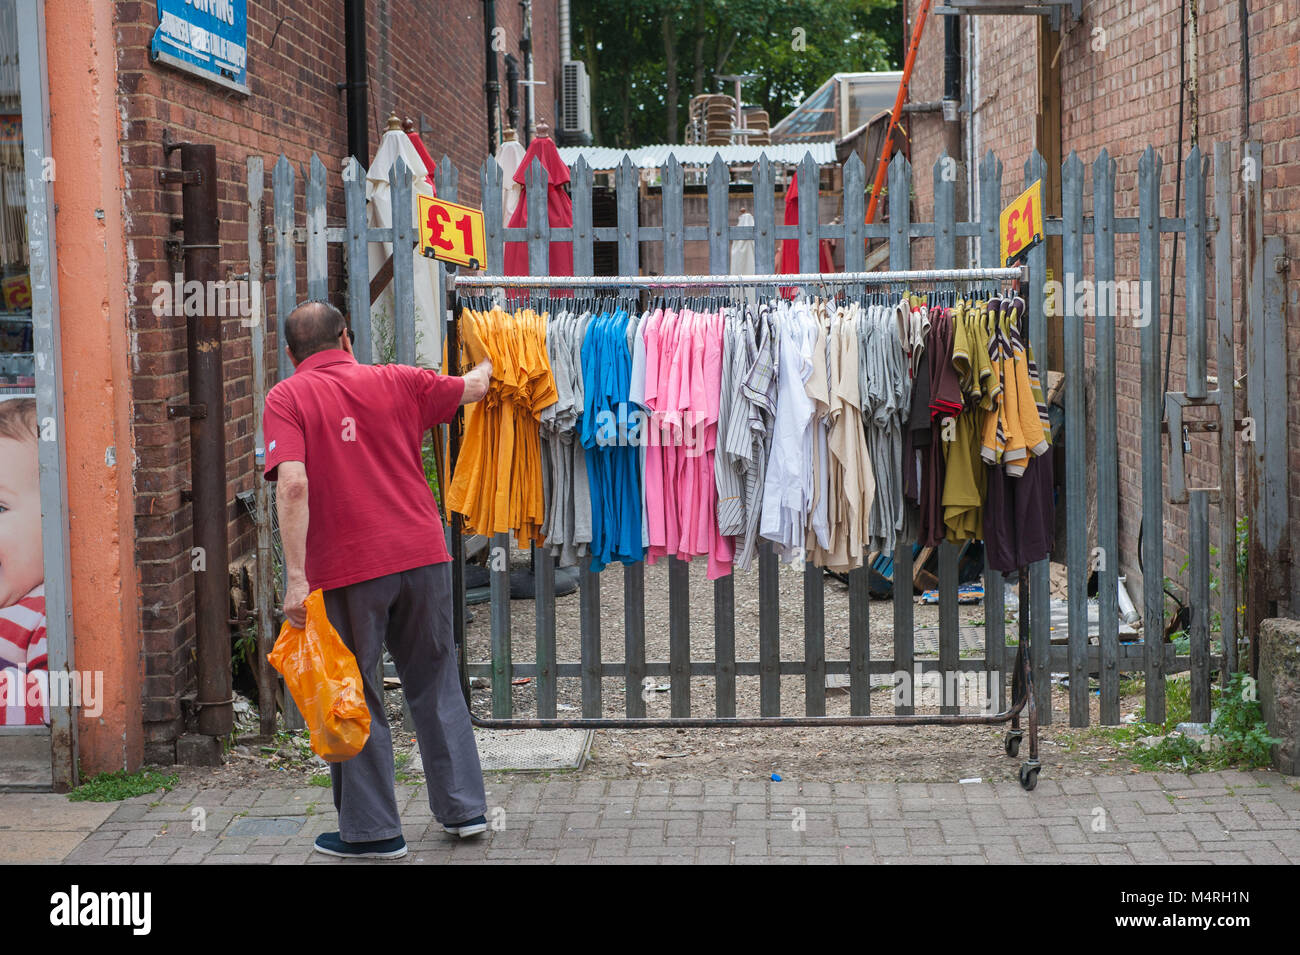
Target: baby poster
{"type": "Point", "coordinates": [24, 671]}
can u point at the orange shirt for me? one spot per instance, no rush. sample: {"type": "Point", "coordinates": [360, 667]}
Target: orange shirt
{"type": "Point", "coordinates": [497, 481]}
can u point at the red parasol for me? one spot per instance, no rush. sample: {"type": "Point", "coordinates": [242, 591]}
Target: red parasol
{"type": "Point", "coordinates": [559, 209]}
{"type": "Point", "coordinates": [790, 247]}
{"type": "Point", "coordinates": [429, 164]}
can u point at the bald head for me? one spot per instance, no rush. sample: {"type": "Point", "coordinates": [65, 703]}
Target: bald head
{"type": "Point", "coordinates": [312, 327]}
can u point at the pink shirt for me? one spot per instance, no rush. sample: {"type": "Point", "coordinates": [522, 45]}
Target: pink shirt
{"type": "Point", "coordinates": [721, 548]}
{"type": "Point", "coordinates": [656, 518]}
{"type": "Point", "coordinates": [683, 386]}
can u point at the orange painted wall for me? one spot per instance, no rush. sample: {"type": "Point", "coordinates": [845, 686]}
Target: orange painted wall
{"type": "Point", "coordinates": [92, 269]}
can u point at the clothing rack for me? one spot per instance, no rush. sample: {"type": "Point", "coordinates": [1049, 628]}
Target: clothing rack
{"type": "Point", "coordinates": [1012, 273]}
{"type": "Point", "coordinates": [1022, 696]}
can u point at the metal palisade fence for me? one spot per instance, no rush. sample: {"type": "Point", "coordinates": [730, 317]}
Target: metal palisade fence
{"type": "Point", "coordinates": [1089, 260]}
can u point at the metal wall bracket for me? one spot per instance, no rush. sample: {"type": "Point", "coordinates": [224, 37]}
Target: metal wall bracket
{"type": "Point", "coordinates": [1037, 8]}
{"type": "Point", "coordinates": [188, 177]}
{"type": "Point", "coordinates": [187, 411]}
{"type": "Point", "coordinates": [336, 234]}
{"type": "Point", "coordinates": [170, 145]}
{"type": "Point", "coordinates": [1180, 441]}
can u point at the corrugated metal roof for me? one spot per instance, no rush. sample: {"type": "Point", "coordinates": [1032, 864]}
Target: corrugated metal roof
{"type": "Point", "coordinates": [654, 157]}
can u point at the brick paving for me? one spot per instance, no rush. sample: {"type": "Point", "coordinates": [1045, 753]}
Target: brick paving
{"type": "Point", "coordinates": [1226, 817]}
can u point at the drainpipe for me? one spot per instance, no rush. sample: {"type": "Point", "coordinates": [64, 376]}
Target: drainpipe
{"type": "Point", "coordinates": [206, 412]}
{"type": "Point", "coordinates": [354, 30]}
{"type": "Point", "coordinates": [952, 85]}
{"type": "Point", "coordinates": [491, 85]}
{"type": "Point", "coordinates": [526, 46]}
{"type": "Point", "coordinates": [512, 91]}
{"type": "Point", "coordinates": [565, 50]}
{"type": "Point", "coordinates": [972, 148]}
{"type": "Point", "coordinates": [952, 108]}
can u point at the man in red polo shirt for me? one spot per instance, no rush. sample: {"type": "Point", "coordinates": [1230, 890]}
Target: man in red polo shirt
{"type": "Point", "coordinates": [343, 444]}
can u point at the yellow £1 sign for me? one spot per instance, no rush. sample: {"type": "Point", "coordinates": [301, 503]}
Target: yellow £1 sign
{"type": "Point", "coordinates": [1021, 223]}
{"type": "Point", "coordinates": [452, 232]}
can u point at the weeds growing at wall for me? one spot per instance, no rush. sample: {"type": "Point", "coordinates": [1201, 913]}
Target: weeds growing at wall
{"type": "Point", "coordinates": [112, 787]}
{"type": "Point", "coordinates": [1237, 738]}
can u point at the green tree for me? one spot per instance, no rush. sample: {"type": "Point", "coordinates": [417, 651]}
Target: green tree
{"type": "Point", "coordinates": [647, 58]}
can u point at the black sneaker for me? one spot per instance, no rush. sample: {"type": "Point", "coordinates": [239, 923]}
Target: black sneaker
{"type": "Point", "coordinates": [332, 845]}
{"type": "Point", "coordinates": [470, 827]}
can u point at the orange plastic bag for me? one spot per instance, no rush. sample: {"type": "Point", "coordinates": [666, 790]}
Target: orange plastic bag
{"type": "Point", "coordinates": [321, 674]}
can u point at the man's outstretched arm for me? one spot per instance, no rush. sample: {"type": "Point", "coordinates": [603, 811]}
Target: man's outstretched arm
{"type": "Point", "coordinates": [476, 382]}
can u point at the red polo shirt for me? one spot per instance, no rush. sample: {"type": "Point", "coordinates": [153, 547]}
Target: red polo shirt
{"type": "Point", "coordinates": [358, 429]}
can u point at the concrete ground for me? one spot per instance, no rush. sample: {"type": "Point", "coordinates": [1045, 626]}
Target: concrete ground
{"type": "Point", "coordinates": [46, 827]}
{"type": "Point", "coordinates": [1225, 817]}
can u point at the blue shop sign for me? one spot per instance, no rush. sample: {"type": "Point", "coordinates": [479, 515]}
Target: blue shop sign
{"type": "Point", "coordinates": [208, 38]}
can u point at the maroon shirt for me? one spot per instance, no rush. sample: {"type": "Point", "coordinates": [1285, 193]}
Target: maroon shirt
{"type": "Point", "coordinates": [358, 429]}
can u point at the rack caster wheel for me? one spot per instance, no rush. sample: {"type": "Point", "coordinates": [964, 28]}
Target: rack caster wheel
{"type": "Point", "coordinates": [1029, 776]}
{"type": "Point", "coordinates": [1012, 744]}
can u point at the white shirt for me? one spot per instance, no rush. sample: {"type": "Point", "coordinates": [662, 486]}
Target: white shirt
{"type": "Point", "coordinates": [787, 486]}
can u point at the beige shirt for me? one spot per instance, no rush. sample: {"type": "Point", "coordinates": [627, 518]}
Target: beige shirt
{"type": "Point", "coordinates": [851, 484]}
{"type": "Point", "coordinates": [818, 390]}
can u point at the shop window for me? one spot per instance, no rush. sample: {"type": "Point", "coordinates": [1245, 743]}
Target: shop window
{"type": "Point", "coordinates": [17, 368]}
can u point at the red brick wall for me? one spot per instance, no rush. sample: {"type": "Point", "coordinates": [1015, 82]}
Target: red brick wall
{"type": "Point", "coordinates": [422, 58]}
{"type": "Point", "coordinates": [1123, 97]}
{"type": "Point", "coordinates": [1004, 106]}
{"type": "Point", "coordinates": [925, 131]}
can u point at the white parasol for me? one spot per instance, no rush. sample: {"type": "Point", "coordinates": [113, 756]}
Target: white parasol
{"type": "Point", "coordinates": [379, 215]}
{"type": "Point", "coordinates": [742, 255]}
{"type": "Point", "coordinates": [509, 155]}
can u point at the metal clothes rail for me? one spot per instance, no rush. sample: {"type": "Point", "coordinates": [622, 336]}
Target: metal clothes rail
{"type": "Point", "coordinates": [1013, 273]}
{"type": "Point", "coordinates": [1022, 696]}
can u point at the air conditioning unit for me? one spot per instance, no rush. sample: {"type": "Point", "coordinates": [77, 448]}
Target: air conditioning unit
{"type": "Point", "coordinates": [575, 100]}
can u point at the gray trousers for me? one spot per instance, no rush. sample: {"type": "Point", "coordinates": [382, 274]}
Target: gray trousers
{"type": "Point", "coordinates": [410, 611]}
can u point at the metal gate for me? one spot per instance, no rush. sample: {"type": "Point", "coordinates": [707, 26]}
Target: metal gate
{"type": "Point", "coordinates": [1089, 295]}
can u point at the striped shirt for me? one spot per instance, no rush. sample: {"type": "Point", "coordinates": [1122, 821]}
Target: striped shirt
{"type": "Point", "coordinates": [727, 467]}
{"type": "Point", "coordinates": [23, 664]}
{"type": "Point", "coordinates": [751, 434]}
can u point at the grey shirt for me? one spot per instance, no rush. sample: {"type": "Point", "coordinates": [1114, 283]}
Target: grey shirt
{"type": "Point", "coordinates": [567, 495]}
